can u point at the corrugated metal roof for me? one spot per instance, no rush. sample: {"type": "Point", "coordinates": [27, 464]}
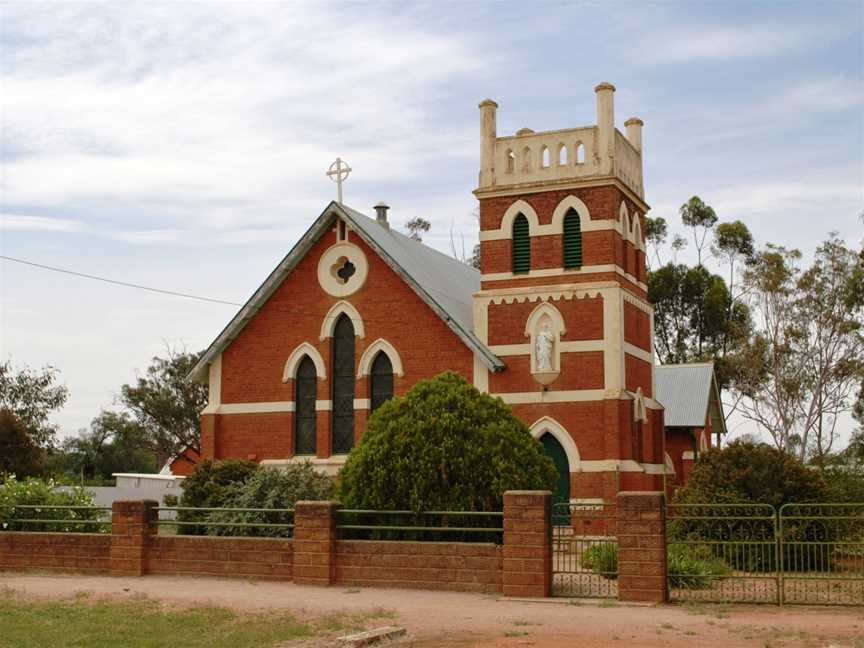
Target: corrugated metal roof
{"type": "Point", "coordinates": [685, 391]}
{"type": "Point", "coordinates": [444, 283]}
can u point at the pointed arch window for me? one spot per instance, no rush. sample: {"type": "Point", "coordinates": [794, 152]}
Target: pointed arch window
{"type": "Point", "coordinates": [521, 245]}
{"type": "Point", "coordinates": [343, 385]}
{"type": "Point", "coordinates": [572, 240]}
{"type": "Point", "coordinates": [305, 394]}
{"type": "Point", "coordinates": [381, 381]}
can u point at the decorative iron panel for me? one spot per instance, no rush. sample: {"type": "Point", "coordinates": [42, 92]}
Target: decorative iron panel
{"type": "Point", "coordinates": [343, 386]}
{"type": "Point", "coordinates": [584, 550]}
{"type": "Point", "coordinates": [305, 394]}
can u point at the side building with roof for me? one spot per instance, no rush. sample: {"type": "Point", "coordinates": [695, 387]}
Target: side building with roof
{"type": "Point", "coordinates": [556, 323]}
{"type": "Point", "coordinates": [694, 416]}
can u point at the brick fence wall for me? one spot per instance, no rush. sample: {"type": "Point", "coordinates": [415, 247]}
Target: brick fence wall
{"type": "Point", "coordinates": [82, 553]}
{"type": "Point", "coordinates": [521, 567]}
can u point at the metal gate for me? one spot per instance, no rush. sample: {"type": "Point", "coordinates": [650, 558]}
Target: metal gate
{"type": "Point", "coordinates": [803, 553]}
{"type": "Point", "coordinates": [584, 550]}
{"type": "Point", "coordinates": [822, 553]}
{"type": "Point", "coordinates": [722, 553]}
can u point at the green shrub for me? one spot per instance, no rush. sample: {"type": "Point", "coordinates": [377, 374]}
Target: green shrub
{"type": "Point", "coordinates": [269, 488]}
{"type": "Point", "coordinates": [756, 473]}
{"type": "Point", "coordinates": [602, 559]}
{"type": "Point", "coordinates": [443, 446]}
{"type": "Point", "coordinates": [694, 567]}
{"type": "Point", "coordinates": [208, 486]}
{"type": "Point", "coordinates": [35, 492]}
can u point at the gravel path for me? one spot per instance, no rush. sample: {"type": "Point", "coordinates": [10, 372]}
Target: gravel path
{"type": "Point", "coordinates": [447, 619]}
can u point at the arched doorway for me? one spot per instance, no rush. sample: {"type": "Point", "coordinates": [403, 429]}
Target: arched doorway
{"type": "Point", "coordinates": [555, 451]}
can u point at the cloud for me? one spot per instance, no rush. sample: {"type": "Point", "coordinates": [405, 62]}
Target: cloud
{"type": "Point", "coordinates": [38, 223]}
{"type": "Point", "coordinates": [217, 119]}
{"type": "Point", "coordinates": [692, 43]}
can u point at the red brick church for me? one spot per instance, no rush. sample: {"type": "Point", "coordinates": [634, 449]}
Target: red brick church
{"type": "Point", "coordinates": [556, 323]}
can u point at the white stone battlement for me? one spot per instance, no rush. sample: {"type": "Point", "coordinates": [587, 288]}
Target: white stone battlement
{"type": "Point", "coordinates": [526, 158]}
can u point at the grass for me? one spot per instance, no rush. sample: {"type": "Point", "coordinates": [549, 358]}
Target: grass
{"type": "Point", "coordinates": [99, 623]}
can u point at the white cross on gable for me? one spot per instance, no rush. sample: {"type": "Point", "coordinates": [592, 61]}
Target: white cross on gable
{"type": "Point", "coordinates": [338, 172]}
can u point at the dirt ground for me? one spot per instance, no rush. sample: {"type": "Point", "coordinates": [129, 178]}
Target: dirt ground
{"type": "Point", "coordinates": [453, 620]}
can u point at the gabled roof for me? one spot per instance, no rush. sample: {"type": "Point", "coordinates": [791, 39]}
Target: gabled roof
{"type": "Point", "coordinates": [686, 391]}
{"type": "Point", "coordinates": [445, 284]}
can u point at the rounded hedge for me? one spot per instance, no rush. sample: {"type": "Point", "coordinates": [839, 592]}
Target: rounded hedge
{"type": "Point", "coordinates": [443, 446]}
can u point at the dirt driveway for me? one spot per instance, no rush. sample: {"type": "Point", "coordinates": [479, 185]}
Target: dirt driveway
{"type": "Point", "coordinates": [452, 620]}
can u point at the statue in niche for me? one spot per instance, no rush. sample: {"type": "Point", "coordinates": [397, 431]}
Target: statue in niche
{"type": "Point", "coordinates": [543, 348]}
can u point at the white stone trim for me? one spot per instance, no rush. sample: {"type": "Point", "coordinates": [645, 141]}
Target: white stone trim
{"type": "Point", "coordinates": [337, 309]}
{"type": "Point", "coordinates": [545, 311]}
{"type": "Point", "coordinates": [329, 465]}
{"type": "Point", "coordinates": [255, 408]}
{"type": "Point", "coordinates": [585, 222]}
{"type": "Point", "coordinates": [214, 386]}
{"type": "Point", "coordinates": [331, 284]}
{"type": "Point", "coordinates": [557, 272]}
{"type": "Point", "coordinates": [323, 405]}
{"type": "Point", "coordinates": [639, 410]}
{"type": "Point", "coordinates": [670, 465]}
{"type": "Point", "coordinates": [613, 337]}
{"type": "Point", "coordinates": [516, 208]}
{"type": "Point", "coordinates": [481, 375]}
{"type": "Point", "coordinates": [361, 404]}
{"type": "Point", "coordinates": [622, 465]}
{"type": "Point", "coordinates": [553, 427]}
{"type": "Point", "coordinates": [687, 455]}
{"type": "Point", "coordinates": [522, 294]}
{"type": "Point", "coordinates": [368, 356]}
{"type": "Point", "coordinates": [304, 349]}
{"type": "Point", "coordinates": [636, 352]}
{"type": "Point", "coordinates": [564, 396]}
{"type": "Point", "coordinates": [568, 346]}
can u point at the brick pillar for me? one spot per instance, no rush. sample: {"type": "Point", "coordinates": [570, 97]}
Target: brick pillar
{"type": "Point", "coordinates": [315, 542]}
{"type": "Point", "coordinates": [527, 543]}
{"type": "Point", "coordinates": [641, 546]}
{"type": "Point", "coordinates": [130, 535]}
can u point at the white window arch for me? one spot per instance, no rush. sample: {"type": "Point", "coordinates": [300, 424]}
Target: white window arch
{"type": "Point", "coordinates": [520, 207]}
{"type": "Point", "coordinates": [332, 316]}
{"type": "Point", "coordinates": [304, 349]}
{"type": "Point", "coordinates": [549, 425]}
{"type": "Point", "coordinates": [368, 357]}
{"type": "Point", "coordinates": [566, 204]}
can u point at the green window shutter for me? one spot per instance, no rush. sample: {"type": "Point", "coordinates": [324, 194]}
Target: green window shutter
{"type": "Point", "coordinates": [521, 246]}
{"type": "Point", "coordinates": [572, 240]}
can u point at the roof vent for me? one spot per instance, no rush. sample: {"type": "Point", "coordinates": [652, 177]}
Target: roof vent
{"type": "Point", "coordinates": [381, 214]}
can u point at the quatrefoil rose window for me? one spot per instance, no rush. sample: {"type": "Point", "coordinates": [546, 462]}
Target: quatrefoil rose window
{"type": "Point", "coordinates": [342, 269]}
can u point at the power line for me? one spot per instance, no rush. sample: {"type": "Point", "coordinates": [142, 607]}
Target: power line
{"type": "Point", "coordinates": [120, 283]}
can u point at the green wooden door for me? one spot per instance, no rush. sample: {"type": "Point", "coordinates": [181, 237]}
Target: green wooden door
{"type": "Point", "coordinates": [555, 451]}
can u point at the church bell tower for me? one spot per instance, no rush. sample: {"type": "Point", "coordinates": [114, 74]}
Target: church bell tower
{"type": "Point", "coordinates": [563, 297]}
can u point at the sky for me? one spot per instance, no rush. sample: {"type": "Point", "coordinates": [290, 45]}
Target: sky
{"type": "Point", "coordinates": [184, 146]}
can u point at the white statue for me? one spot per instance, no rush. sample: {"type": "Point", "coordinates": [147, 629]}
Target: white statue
{"type": "Point", "coordinates": [543, 349]}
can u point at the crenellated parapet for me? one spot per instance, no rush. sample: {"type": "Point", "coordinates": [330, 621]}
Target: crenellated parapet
{"type": "Point", "coordinates": [530, 159]}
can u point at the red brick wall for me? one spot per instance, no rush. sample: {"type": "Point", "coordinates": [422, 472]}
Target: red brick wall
{"type": "Point", "coordinates": [637, 373]}
{"type": "Point", "coordinates": [582, 370]}
{"type": "Point", "coordinates": [637, 327]}
{"type": "Point", "coordinates": [252, 365]}
{"type": "Point", "coordinates": [583, 316]}
{"type": "Point", "coordinates": [82, 553]}
{"type": "Point", "coordinates": [464, 567]}
{"type": "Point", "coordinates": [599, 247]}
{"type": "Point", "coordinates": [212, 556]}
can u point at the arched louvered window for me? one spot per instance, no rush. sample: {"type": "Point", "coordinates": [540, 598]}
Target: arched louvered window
{"type": "Point", "coordinates": [381, 377]}
{"type": "Point", "coordinates": [305, 394]}
{"type": "Point", "coordinates": [521, 245]}
{"type": "Point", "coordinates": [572, 240]}
{"type": "Point", "coordinates": [343, 385]}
